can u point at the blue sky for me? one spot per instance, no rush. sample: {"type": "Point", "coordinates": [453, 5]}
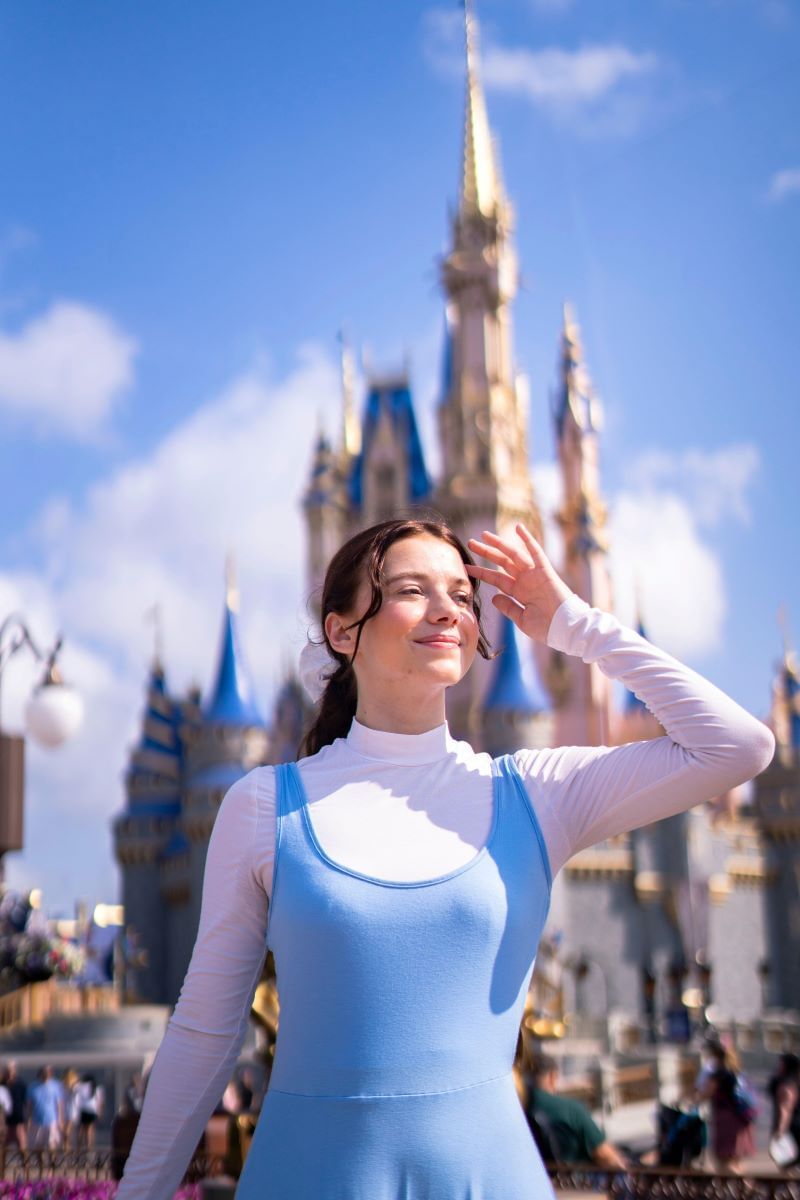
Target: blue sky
{"type": "Point", "coordinates": [195, 198]}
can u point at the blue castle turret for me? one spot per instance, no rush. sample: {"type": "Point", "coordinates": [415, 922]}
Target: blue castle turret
{"type": "Point", "coordinates": [515, 709]}
{"type": "Point", "coordinates": [150, 819]}
{"type": "Point", "coordinates": [187, 757]}
{"type": "Point", "coordinates": [389, 474]}
{"type": "Point", "coordinates": [231, 700]}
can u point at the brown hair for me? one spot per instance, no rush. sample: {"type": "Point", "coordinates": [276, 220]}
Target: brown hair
{"type": "Point", "coordinates": [363, 556]}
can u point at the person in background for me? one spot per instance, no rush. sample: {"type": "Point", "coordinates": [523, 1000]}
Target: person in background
{"type": "Point", "coordinates": [134, 1092]}
{"type": "Point", "coordinates": [70, 1098]}
{"type": "Point", "coordinates": [732, 1130]}
{"type": "Point", "coordinates": [123, 1131]}
{"type": "Point", "coordinates": [16, 1131]}
{"type": "Point", "coordinates": [90, 1107]}
{"type": "Point", "coordinates": [46, 1111]}
{"type": "Point", "coordinates": [579, 1139]}
{"type": "Point", "coordinates": [784, 1091]}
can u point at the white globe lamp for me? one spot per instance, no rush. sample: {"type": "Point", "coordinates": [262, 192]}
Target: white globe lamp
{"type": "Point", "coordinates": [54, 712]}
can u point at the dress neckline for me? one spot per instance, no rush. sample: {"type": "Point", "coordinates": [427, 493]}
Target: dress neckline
{"type": "Point", "coordinates": [398, 883]}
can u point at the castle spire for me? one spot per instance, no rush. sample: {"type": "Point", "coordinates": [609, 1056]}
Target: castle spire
{"type": "Point", "coordinates": [231, 700]}
{"type": "Point", "coordinates": [584, 713]}
{"type": "Point", "coordinates": [480, 183]}
{"type": "Point", "coordinates": [575, 396]}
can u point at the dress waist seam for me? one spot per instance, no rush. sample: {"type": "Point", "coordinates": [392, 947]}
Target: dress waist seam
{"type": "Point", "coordinates": [390, 1095]}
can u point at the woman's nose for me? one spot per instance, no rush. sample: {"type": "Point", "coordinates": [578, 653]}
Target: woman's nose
{"type": "Point", "coordinates": [443, 608]}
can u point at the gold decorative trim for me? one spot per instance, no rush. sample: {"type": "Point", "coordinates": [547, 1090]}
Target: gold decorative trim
{"type": "Point", "coordinates": [601, 864]}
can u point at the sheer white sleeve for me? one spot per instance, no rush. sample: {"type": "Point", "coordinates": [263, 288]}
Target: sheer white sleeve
{"type": "Point", "coordinates": [204, 1036]}
{"type": "Point", "coordinates": [586, 794]}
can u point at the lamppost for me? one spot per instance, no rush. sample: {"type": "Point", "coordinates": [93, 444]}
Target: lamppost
{"type": "Point", "coordinates": [52, 714]}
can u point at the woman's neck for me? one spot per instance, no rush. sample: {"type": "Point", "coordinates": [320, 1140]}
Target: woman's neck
{"type": "Point", "coordinates": [407, 714]}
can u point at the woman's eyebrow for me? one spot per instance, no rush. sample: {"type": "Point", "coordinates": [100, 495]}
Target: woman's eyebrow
{"type": "Point", "coordinates": [421, 577]}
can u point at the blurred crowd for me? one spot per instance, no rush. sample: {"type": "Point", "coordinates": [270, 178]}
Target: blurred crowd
{"type": "Point", "coordinates": [51, 1113]}
{"type": "Point", "coordinates": [713, 1125]}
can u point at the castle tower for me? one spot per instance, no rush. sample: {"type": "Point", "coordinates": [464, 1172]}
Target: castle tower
{"type": "Point", "coordinates": [230, 741]}
{"type": "Point", "coordinates": [325, 508]}
{"type": "Point", "coordinates": [389, 476]}
{"type": "Point", "coordinates": [483, 409]}
{"type": "Point", "coordinates": [483, 412]}
{"type": "Point", "coordinates": [582, 693]}
{"type": "Point", "coordinates": [777, 806]}
{"type": "Point", "coordinates": [143, 830]}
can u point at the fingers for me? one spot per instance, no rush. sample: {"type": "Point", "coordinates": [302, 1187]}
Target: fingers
{"type": "Point", "coordinates": [498, 579]}
{"type": "Point", "coordinates": [507, 555]}
{"type": "Point", "coordinates": [508, 607]}
{"type": "Point", "coordinates": [530, 543]}
{"type": "Point", "coordinates": [495, 550]}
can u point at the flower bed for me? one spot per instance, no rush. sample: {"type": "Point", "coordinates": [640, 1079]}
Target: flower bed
{"type": "Point", "coordinates": [76, 1189]}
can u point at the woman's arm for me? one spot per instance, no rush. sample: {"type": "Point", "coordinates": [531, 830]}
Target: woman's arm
{"type": "Point", "coordinates": [786, 1102]}
{"type": "Point", "coordinates": [586, 794]}
{"type": "Point", "coordinates": [204, 1036]}
{"type": "Point", "coordinates": [589, 793]}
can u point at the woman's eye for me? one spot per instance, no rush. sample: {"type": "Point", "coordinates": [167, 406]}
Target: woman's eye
{"type": "Point", "coordinates": [463, 597]}
{"type": "Point", "coordinates": [411, 591]}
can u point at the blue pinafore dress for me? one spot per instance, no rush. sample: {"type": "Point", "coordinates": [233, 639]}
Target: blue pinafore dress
{"type": "Point", "coordinates": [400, 1006]}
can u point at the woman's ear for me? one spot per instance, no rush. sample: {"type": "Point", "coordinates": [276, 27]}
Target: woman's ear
{"type": "Point", "coordinates": [340, 635]}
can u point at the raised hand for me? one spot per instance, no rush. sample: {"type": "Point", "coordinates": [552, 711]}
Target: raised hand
{"type": "Point", "coordinates": [529, 590]}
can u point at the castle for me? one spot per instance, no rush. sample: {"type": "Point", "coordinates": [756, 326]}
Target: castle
{"type": "Point", "coordinates": [700, 908]}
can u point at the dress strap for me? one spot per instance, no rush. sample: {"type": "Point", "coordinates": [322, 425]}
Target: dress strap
{"type": "Point", "coordinates": [508, 772]}
{"type": "Point", "coordinates": [283, 783]}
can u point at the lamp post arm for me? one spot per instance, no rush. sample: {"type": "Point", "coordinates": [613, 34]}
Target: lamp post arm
{"type": "Point", "coordinates": [14, 634]}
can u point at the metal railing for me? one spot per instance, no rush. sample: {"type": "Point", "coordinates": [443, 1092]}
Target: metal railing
{"type": "Point", "coordinates": [673, 1183]}
{"type": "Point", "coordinates": [34, 1003]}
{"type": "Point", "coordinates": [92, 1166]}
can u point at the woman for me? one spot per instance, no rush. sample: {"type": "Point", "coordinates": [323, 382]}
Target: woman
{"type": "Point", "coordinates": [732, 1128]}
{"type": "Point", "coordinates": [90, 1107]}
{"type": "Point", "coordinates": [784, 1091]}
{"type": "Point", "coordinates": [71, 1086]}
{"type": "Point", "coordinates": [407, 880]}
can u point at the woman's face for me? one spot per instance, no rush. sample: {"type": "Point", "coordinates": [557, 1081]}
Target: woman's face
{"type": "Point", "coordinates": [425, 630]}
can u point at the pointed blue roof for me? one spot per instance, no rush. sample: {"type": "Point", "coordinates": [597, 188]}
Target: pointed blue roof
{"type": "Point", "coordinates": [515, 686]}
{"type": "Point", "coordinates": [231, 701]}
{"type": "Point", "coordinates": [396, 398]}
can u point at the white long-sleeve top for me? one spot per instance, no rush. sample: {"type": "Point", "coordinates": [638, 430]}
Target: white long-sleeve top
{"type": "Point", "coordinates": [412, 807]}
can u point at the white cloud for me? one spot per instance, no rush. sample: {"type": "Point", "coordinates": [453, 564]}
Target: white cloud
{"type": "Point", "coordinates": [549, 492]}
{"type": "Point", "coordinates": [784, 184]}
{"type": "Point", "coordinates": [65, 370]}
{"type": "Point", "coordinates": [597, 89]}
{"type": "Point", "coordinates": [657, 550]}
{"type": "Point", "coordinates": [715, 483]}
{"type": "Point", "coordinates": [564, 79]}
{"type": "Point", "coordinates": [659, 544]}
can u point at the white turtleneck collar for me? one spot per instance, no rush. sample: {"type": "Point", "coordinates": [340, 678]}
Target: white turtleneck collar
{"type": "Point", "coordinates": [409, 748]}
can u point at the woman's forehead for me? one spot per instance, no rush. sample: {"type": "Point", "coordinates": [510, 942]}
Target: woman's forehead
{"type": "Point", "coordinates": [423, 554]}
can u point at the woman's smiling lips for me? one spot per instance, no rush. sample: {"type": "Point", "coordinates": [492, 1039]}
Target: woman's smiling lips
{"type": "Point", "coordinates": [438, 639]}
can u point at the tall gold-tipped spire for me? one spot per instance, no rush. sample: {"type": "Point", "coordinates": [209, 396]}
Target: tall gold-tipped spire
{"type": "Point", "coordinates": [480, 183]}
{"type": "Point", "coordinates": [576, 395]}
{"type": "Point", "coordinates": [351, 430]}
